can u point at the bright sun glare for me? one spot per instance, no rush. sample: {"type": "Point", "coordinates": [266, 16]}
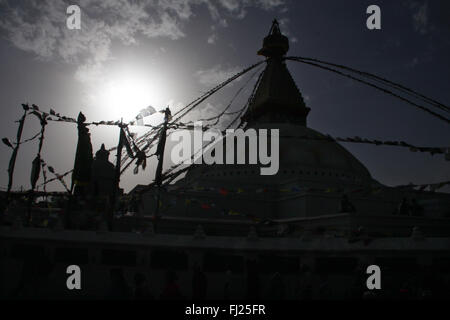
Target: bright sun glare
{"type": "Point", "coordinates": [124, 95]}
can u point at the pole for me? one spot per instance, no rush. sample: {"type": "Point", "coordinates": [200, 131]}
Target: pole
{"type": "Point", "coordinates": [116, 177]}
{"type": "Point", "coordinates": [160, 155]}
{"type": "Point", "coordinates": [36, 168]}
{"type": "Point", "coordinates": [12, 161]}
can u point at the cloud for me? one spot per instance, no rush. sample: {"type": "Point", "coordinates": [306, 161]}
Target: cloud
{"type": "Point", "coordinates": [420, 17]}
{"type": "Point", "coordinates": [238, 8]}
{"type": "Point", "coordinates": [284, 26]}
{"type": "Point", "coordinates": [413, 62]}
{"type": "Point", "coordinates": [215, 75]}
{"type": "Point", "coordinates": [212, 38]}
{"type": "Point", "coordinates": [39, 26]}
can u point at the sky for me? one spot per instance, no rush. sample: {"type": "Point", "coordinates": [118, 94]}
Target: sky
{"type": "Point", "coordinates": [131, 54]}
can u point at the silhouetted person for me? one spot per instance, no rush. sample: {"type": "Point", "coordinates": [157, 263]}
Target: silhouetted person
{"type": "Point", "coordinates": [405, 290]}
{"type": "Point", "coordinates": [142, 288]}
{"type": "Point", "coordinates": [36, 268]}
{"type": "Point", "coordinates": [134, 204]}
{"type": "Point", "coordinates": [227, 286]}
{"type": "Point", "coordinates": [403, 207]}
{"type": "Point", "coordinates": [119, 288]}
{"type": "Point", "coordinates": [359, 234]}
{"type": "Point", "coordinates": [199, 284]}
{"type": "Point", "coordinates": [276, 287]}
{"type": "Point", "coordinates": [252, 280]}
{"type": "Point", "coordinates": [304, 283]}
{"type": "Point", "coordinates": [416, 209]}
{"type": "Point", "coordinates": [324, 287]}
{"type": "Point", "coordinates": [346, 205]}
{"type": "Point", "coordinates": [3, 206]}
{"type": "Point", "coordinates": [358, 287]}
{"type": "Point", "coordinates": [171, 290]}
{"type": "Point", "coordinates": [370, 295]}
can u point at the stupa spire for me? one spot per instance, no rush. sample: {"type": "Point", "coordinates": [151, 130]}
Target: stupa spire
{"type": "Point", "coordinates": [277, 98]}
{"type": "Point", "coordinates": [275, 44]}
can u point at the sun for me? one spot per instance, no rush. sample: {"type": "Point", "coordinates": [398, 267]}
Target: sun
{"type": "Point", "coordinates": [126, 93]}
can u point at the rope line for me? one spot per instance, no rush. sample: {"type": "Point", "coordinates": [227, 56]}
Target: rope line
{"type": "Point", "coordinates": [379, 79]}
{"type": "Point", "coordinates": [376, 87]}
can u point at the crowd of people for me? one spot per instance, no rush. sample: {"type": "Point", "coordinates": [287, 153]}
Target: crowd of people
{"type": "Point", "coordinates": [309, 285]}
{"type": "Point", "coordinates": [425, 282]}
{"type": "Point", "coordinates": [410, 208]}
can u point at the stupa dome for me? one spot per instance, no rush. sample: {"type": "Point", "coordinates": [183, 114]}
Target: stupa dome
{"type": "Point", "coordinates": [305, 155]}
